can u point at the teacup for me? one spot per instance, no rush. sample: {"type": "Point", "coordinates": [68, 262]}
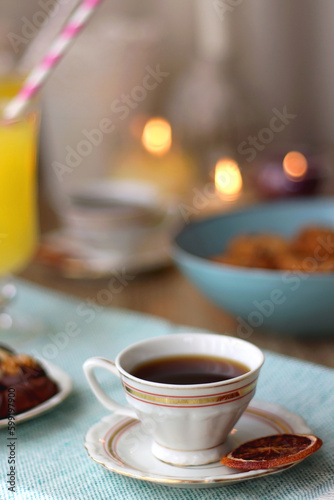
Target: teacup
{"type": "Point", "coordinates": [189, 423]}
{"type": "Point", "coordinates": [119, 215]}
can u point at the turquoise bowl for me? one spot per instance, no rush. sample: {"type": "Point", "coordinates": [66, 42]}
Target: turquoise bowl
{"type": "Point", "coordinates": [286, 302]}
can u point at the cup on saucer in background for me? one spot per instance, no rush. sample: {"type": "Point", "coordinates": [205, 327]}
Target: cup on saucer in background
{"type": "Point", "coordinates": [118, 215]}
{"type": "Point", "coordinates": [189, 415]}
{"type": "Point", "coordinates": [110, 226]}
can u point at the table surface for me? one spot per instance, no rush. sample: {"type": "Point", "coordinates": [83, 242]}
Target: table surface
{"type": "Point", "coordinates": [53, 463]}
{"type": "Point", "coordinates": [167, 294]}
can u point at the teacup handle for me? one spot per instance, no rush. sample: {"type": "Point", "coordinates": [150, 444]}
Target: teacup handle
{"type": "Point", "coordinates": [89, 367]}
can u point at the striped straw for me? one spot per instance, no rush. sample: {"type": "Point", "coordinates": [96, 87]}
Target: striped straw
{"type": "Point", "coordinates": [40, 73]}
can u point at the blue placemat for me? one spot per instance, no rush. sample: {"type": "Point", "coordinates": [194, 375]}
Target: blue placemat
{"type": "Point", "coordinates": [52, 463]}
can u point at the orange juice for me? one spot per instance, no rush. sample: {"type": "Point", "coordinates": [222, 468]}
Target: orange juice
{"type": "Point", "coordinates": [18, 230]}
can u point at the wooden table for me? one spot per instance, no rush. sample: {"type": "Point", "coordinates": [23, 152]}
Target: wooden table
{"type": "Point", "coordinates": [167, 294]}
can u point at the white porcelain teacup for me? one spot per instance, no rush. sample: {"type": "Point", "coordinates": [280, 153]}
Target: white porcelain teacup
{"type": "Point", "coordinates": [189, 423]}
{"type": "Point", "coordinates": [119, 215]}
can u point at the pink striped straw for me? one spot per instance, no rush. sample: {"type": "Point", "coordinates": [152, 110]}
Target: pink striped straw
{"type": "Point", "coordinates": [40, 73]}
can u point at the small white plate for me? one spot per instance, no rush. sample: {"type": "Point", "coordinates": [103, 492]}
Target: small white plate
{"type": "Point", "coordinates": [122, 445]}
{"type": "Point", "coordinates": [64, 382]}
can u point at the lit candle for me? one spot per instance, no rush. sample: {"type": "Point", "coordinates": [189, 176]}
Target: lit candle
{"type": "Point", "coordinates": [157, 136]}
{"type": "Point", "coordinates": [228, 179]}
{"type": "Point", "coordinates": [295, 166]}
{"type": "Point", "coordinates": [294, 174]}
{"type": "Point", "coordinates": [158, 160]}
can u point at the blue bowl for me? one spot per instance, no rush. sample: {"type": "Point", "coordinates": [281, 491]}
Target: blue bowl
{"type": "Point", "coordinates": [288, 302]}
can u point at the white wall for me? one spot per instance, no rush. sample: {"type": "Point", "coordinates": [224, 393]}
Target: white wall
{"type": "Point", "coordinates": [282, 50]}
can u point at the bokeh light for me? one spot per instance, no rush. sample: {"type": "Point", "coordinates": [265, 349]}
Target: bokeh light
{"type": "Point", "coordinates": [157, 136]}
{"type": "Point", "coordinates": [228, 179]}
{"type": "Point", "coordinates": [295, 166]}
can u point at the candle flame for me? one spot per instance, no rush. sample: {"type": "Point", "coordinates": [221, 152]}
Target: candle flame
{"type": "Point", "coordinates": [295, 166]}
{"type": "Point", "coordinates": [157, 136]}
{"type": "Point", "coordinates": [228, 179]}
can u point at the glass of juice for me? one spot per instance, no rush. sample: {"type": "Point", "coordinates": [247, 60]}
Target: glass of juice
{"type": "Point", "coordinates": [18, 214]}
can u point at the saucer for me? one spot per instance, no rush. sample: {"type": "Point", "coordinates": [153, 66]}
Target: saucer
{"type": "Point", "coordinates": [76, 259]}
{"type": "Point", "coordinates": [123, 445]}
{"type": "Point", "coordinates": [65, 387]}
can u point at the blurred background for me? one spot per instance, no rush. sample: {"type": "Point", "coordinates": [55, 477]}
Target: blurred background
{"type": "Point", "coordinates": [171, 95]}
{"type": "Point", "coordinates": [164, 112]}
{"type": "Point", "coordinates": [280, 50]}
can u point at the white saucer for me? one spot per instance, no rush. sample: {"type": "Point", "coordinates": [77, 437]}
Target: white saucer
{"type": "Point", "coordinates": [76, 259]}
{"type": "Point", "coordinates": [122, 445]}
{"type": "Point", "coordinates": [65, 387]}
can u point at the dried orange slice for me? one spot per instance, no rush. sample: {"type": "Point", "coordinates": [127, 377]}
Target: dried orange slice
{"type": "Point", "coordinates": [272, 451]}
